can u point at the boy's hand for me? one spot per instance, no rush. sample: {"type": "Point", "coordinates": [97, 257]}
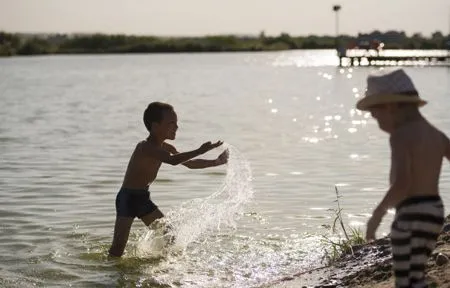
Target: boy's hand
{"type": "Point", "coordinates": [372, 226]}
{"type": "Point", "coordinates": [207, 146]}
{"type": "Point", "coordinates": [222, 158]}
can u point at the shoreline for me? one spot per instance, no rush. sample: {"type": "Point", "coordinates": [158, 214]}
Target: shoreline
{"type": "Point", "coordinates": [370, 266]}
{"type": "Point", "coordinates": [181, 51]}
{"type": "Point", "coordinates": [28, 44]}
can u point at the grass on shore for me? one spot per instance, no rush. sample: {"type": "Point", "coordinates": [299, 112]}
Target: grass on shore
{"type": "Point", "coordinates": [344, 238]}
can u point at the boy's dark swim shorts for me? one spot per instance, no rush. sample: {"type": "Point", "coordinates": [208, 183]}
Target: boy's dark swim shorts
{"type": "Point", "coordinates": [134, 203]}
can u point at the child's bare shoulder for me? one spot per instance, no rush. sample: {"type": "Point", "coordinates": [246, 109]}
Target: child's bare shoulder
{"type": "Point", "coordinates": [414, 130]}
{"type": "Point", "coordinates": [440, 132]}
{"type": "Point", "coordinates": [140, 145]}
{"type": "Point", "coordinates": [145, 148]}
{"type": "Point", "coordinates": [420, 133]}
{"type": "Point", "coordinates": [440, 136]}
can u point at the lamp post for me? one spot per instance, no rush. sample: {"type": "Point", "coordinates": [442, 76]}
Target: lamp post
{"type": "Point", "coordinates": [336, 9]}
{"type": "Point", "coordinates": [448, 35]}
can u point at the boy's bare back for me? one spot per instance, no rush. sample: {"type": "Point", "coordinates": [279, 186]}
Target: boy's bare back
{"type": "Point", "coordinates": [419, 148]}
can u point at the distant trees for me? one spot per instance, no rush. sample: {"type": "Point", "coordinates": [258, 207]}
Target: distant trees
{"type": "Point", "coordinates": [23, 44]}
{"type": "Point", "coordinates": [9, 44]}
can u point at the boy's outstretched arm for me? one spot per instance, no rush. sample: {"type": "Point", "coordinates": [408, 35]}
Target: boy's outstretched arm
{"type": "Point", "coordinates": [203, 163]}
{"type": "Point", "coordinates": [174, 159]}
{"type": "Point", "coordinates": [199, 163]}
{"type": "Point", "coordinates": [400, 183]}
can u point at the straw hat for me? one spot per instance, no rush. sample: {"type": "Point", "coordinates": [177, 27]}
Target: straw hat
{"type": "Point", "coordinates": [389, 86]}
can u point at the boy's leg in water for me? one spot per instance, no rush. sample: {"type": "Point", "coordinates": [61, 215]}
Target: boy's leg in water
{"type": "Point", "coordinates": [121, 232]}
{"type": "Point", "coordinates": [150, 219]}
{"type": "Point", "coordinates": [152, 216]}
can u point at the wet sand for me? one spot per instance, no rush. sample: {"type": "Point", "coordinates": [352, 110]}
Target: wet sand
{"type": "Point", "coordinates": [371, 266]}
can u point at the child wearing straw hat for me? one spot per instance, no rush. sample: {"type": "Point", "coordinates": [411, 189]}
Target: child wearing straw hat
{"type": "Point", "coordinates": [417, 151]}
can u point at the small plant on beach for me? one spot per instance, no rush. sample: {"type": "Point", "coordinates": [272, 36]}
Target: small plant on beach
{"type": "Point", "coordinates": [341, 245]}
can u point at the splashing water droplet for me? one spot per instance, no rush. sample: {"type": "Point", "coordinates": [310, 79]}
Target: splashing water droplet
{"type": "Point", "coordinates": [199, 218]}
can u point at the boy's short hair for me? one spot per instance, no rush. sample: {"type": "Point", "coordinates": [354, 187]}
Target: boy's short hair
{"type": "Point", "coordinates": [154, 113]}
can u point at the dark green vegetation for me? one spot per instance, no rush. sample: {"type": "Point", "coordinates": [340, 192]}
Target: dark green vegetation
{"type": "Point", "coordinates": [37, 44]}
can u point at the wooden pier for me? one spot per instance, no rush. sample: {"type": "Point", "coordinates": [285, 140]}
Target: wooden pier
{"type": "Point", "coordinates": [359, 57]}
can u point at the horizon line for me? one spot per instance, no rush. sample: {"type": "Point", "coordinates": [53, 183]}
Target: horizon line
{"type": "Point", "coordinates": [220, 34]}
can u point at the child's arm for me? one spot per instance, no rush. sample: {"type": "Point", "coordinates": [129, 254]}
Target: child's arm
{"type": "Point", "coordinates": [175, 159]}
{"type": "Point", "coordinates": [400, 173]}
{"type": "Point", "coordinates": [203, 163]}
{"type": "Point", "coordinates": [400, 183]}
{"type": "Point", "coordinates": [199, 163]}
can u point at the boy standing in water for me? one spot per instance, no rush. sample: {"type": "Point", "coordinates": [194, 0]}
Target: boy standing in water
{"type": "Point", "coordinates": [133, 199]}
{"type": "Point", "coordinates": [417, 151]}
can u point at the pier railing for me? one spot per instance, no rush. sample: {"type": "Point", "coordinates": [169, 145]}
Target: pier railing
{"type": "Point", "coordinates": [372, 57]}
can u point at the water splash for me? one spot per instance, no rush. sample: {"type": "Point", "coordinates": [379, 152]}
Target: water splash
{"type": "Point", "coordinates": [197, 219]}
{"type": "Point", "coordinates": [212, 250]}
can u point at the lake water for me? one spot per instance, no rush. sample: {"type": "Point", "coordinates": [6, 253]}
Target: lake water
{"type": "Point", "coordinates": [68, 125]}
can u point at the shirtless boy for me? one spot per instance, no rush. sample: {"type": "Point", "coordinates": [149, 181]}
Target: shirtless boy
{"type": "Point", "coordinates": [133, 199]}
{"type": "Point", "coordinates": [417, 152]}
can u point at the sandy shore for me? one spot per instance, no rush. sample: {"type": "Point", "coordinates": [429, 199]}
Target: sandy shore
{"type": "Point", "coordinates": [371, 266]}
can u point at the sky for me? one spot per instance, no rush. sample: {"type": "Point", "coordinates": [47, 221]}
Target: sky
{"type": "Point", "coordinates": [212, 17]}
